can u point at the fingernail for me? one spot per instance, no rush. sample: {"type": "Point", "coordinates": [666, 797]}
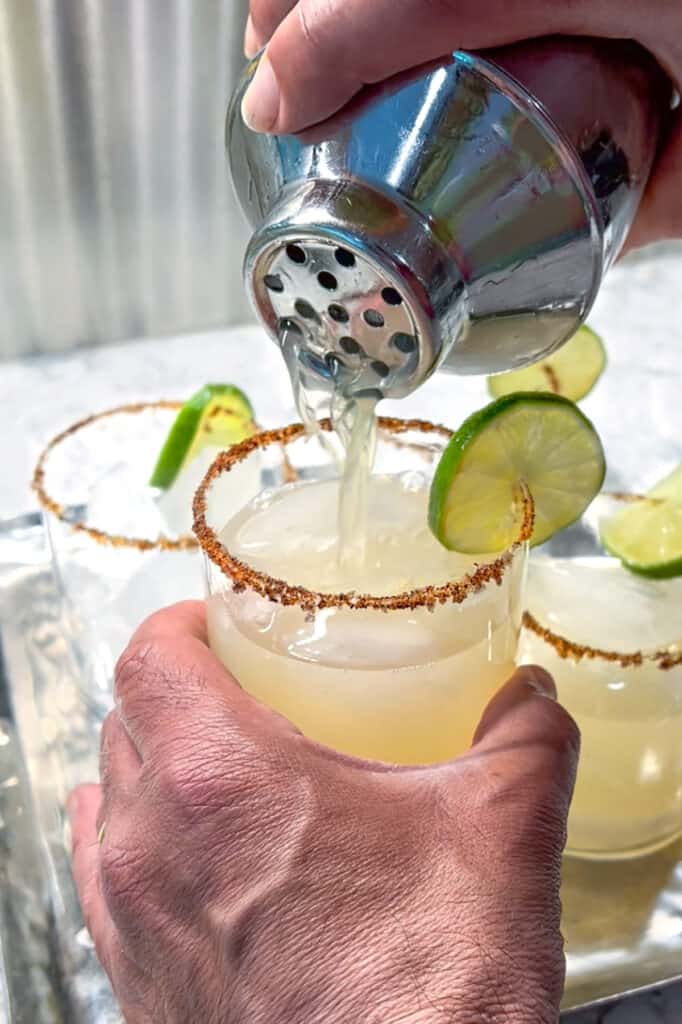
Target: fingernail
{"type": "Point", "coordinates": [539, 681]}
{"type": "Point", "coordinates": [260, 106]}
{"type": "Point", "coordinates": [251, 46]}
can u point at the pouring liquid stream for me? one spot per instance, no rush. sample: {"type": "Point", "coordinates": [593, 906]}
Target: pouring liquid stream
{"type": "Point", "coordinates": [318, 386]}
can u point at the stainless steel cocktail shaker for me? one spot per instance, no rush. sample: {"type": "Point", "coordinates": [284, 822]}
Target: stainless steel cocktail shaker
{"type": "Point", "coordinates": [459, 217]}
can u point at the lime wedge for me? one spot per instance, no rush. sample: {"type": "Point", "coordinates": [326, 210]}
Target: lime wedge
{"type": "Point", "coordinates": [534, 439]}
{"type": "Point", "coordinates": [669, 487]}
{"type": "Point", "coordinates": [647, 534]}
{"type": "Point", "coordinates": [572, 371]}
{"type": "Point", "coordinates": [219, 415]}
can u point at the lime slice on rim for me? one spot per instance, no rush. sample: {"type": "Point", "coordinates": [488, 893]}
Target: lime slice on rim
{"type": "Point", "coordinates": [572, 371]}
{"type": "Point", "coordinates": [540, 441]}
{"type": "Point", "coordinates": [646, 535]}
{"type": "Point", "coordinates": [219, 415]}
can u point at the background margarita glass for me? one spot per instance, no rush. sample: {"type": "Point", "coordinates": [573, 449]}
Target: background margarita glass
{"type": "Point", "coordinates": [613, 642]}
{"type": "Point", "coordinates": [120, 549]}
{"type": "Point", "coordinates": [393, 658]}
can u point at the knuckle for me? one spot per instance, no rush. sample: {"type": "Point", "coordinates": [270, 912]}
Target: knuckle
{"type": "Point", "coordinates": [138, 660]}
{"type": "Point", "coordinates": [318, 22]}
{"type": "Point", "coordinates": [320, 35]}
{"type": "Point", "coordinates": [193, 782]}
{"type": "Point", "coordinates": [150, 667]}
{"type": "Point", "coordinates": [125, 876]}
{"type": "Point", "coordinates": [527, 807]}
{"type": "Point", "coordinates": [307, 26]}
{"type": "Point", "coordinates": [199, 778]}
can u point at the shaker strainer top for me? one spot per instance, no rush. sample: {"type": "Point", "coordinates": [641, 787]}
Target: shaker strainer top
{"type": "Point", "coordinates": [347, 311]}
{"type": "Point", "coordinates": [440, 220]}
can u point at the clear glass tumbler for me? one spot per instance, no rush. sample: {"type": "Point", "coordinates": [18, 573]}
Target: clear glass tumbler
{"type": "Point", "coordinates": [392, 657]}
{"type": "Point", "coordinates": [120, 550]}
{"type": "Point", "coordinates": [613, 642]}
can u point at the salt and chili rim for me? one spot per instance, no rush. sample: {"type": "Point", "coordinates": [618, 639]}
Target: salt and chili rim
{"type": "Point", "coordinates": [244, 577]}
{"type": "Point", "coordinates": [58, 508]}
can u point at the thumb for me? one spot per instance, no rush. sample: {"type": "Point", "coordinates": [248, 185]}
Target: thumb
{"type": "Point", "coordinates": [323, 51]}
{"type": "Point", "coordinates": [321, 54]}
{"type": "Point", "coordinates": [534, 741]}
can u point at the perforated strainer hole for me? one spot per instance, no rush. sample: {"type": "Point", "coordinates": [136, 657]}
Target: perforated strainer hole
{"type": "Point", "coordinates": [405, 343]}
{"type": "Point", "coordinates": [287, 324]}
{"type": "Point", "coordinates": [391, 297]}
{"type": "Point", "coordinates": [344, 258]}
{"type": "Point", "coordinates": [350, 346]}
{"type": "Point", "coordinates": [373, 317]}
{"type": "Point", "coordinates": [327, 280]}
{"type": "Point", "coordinates": [338, 313]}
{"type": "Point", "coordinates": [295, 253]}
{"type": "Point", "coordinates": [305, 310]}
{"type": "Point", "coordinates": [381, 369]}
{"type": "Point", "coordinates": [274, 282]}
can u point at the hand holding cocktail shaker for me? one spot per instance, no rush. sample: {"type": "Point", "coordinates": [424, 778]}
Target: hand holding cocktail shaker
{"type": "Point", "coordinates": [461, 216]}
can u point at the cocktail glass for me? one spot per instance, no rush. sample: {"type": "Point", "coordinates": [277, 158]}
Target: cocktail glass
{"type": "Point", "coordinates": [613, 642]}
{"type": "Point", "coordinates": [392, 658]}
{"type": "Point", "coordinates": [120, 551]}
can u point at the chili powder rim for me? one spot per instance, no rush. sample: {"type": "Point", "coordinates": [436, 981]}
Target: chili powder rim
{"type": "Point", "coordinates": [244, 577]}
{"type": "Point", "coordinates": [186, 542]}
{"type": "Point", "coordinates": [664, 658]}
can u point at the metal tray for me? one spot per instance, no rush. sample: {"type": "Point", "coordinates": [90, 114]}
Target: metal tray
{"type": "Point", "coordinates": [622, 922]}
{"type": "Point", "coordinates": [30, 989]}
{"type": "Point", "coordinates": [59, 746]}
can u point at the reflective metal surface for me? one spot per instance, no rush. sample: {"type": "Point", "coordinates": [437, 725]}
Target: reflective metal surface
{"type": "Point", "coordinates": [368, 336]}
{"type": "Point", "coordinates": [622, 922]}
{"type": "Point", "coordinates": [454, 187]}
{"type": "Point", "coordinates": [30, 990]}
{"type": "Point", "coordinates": [59, 744]}
{"type": "Point", "coordinates": [118, 219]}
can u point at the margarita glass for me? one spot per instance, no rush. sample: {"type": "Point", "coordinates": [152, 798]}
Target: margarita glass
{"type": "Point", "coordinates": [613, 642]}
{"type": "Point", "coordinates": [120, 550]}
{"type": "Point", "coordinates": [391, 658]}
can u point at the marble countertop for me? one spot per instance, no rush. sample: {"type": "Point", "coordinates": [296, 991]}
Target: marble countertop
{"type": "Point", "coordinates": [637, 408]}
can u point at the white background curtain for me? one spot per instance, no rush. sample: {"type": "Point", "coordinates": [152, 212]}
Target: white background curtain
{"type": "Point", "coordinates": [117, 218]}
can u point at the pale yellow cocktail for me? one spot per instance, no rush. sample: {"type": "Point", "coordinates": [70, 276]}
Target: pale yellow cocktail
{"type": "Point", "coordinates": [400, 674]}
{"type": "Point", "coordinates": [613, 643]}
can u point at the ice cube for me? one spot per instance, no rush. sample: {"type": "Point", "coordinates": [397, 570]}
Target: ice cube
{"type": "Point", "coordinates": [120, 502]}
{"type": "Point", "coordinates": [346, 638]}
{"type": "Point", "coordinates": [595, 601]}
{"type": "Point", "coordinates": [175, 504]}
{"type": "Point", "coordinates": [299, 519]}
